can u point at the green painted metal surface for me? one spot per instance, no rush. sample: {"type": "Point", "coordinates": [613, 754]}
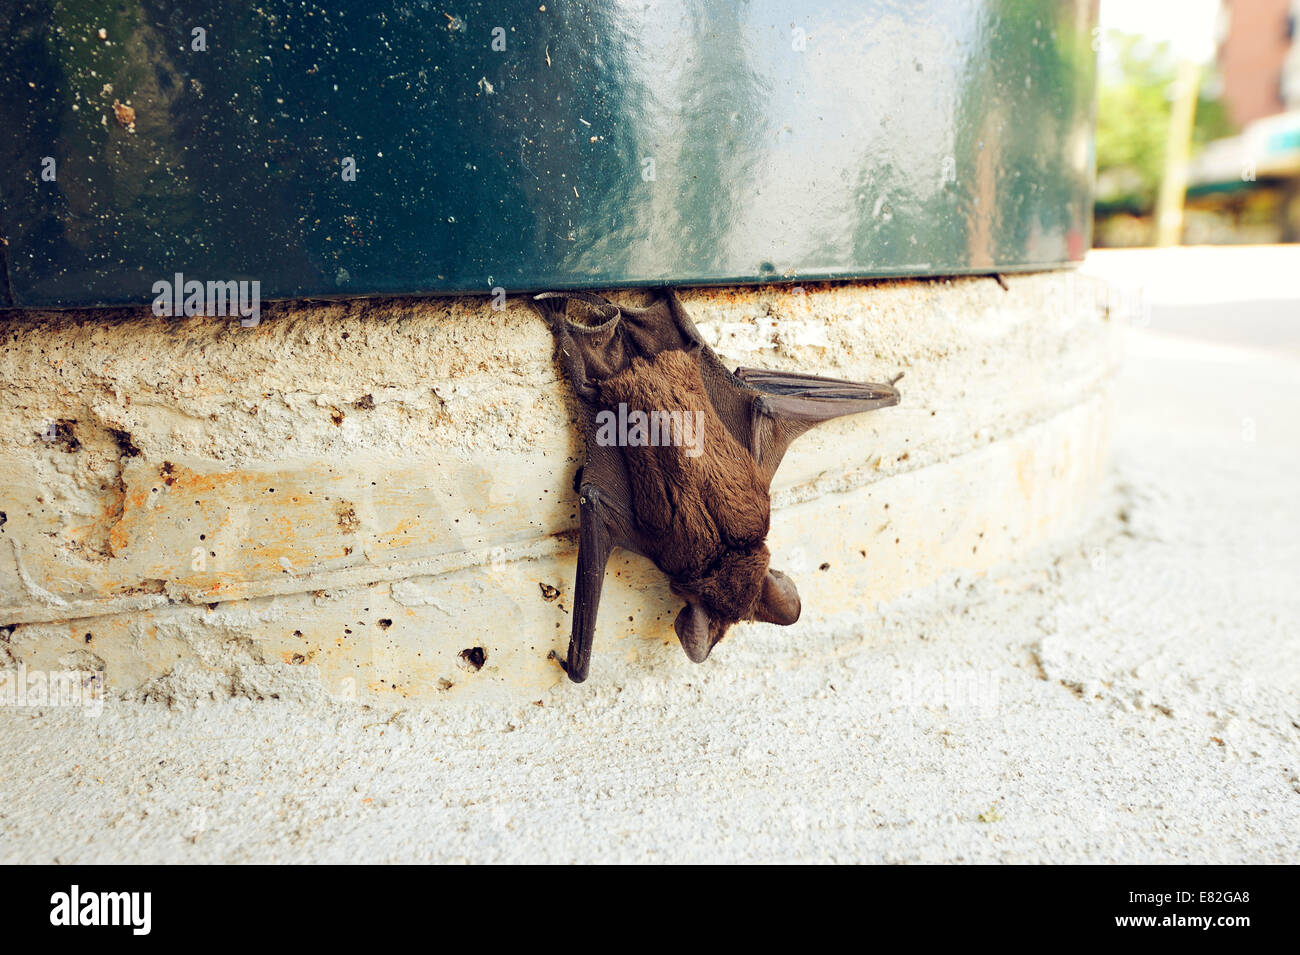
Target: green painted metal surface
{"type": "Point", "coordinates": [530, 145]}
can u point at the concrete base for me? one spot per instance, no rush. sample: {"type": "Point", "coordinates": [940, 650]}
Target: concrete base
{"type": "Point", "coordinates": [366, 499]}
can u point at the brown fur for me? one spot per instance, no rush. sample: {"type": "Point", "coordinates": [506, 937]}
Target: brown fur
{"type": "Point", "coordinates": [709, 514]}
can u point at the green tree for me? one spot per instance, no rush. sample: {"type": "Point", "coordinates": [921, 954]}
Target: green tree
{"type": "Point", "coordinates": [1133, 107]}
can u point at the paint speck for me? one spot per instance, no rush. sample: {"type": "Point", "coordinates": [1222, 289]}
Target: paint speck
{"type": "Point", "coordinates": [124, 115]}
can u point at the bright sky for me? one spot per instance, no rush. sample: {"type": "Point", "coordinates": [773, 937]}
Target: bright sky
{"type": "Point", "coordinates": [1187, 25]}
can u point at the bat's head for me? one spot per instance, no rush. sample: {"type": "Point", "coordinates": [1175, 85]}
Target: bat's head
{"type": "Point", "coordinates": [700, 627]}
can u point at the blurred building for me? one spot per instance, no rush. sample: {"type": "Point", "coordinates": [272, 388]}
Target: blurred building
{"type": "Point", "coordinates": [1246, 188]}
{"type": "Point", "coordinates": [1258, 58]}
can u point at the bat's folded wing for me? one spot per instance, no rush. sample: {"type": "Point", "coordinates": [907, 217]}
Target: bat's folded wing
{"type": "Point", "coordinates": [605, 521]}
{"type": "Point", "coordinates": [852, 396]}
{"type": "Point", "coordinates": [788, 403]}
{"type": "Point", "coordinates": [595, 541]}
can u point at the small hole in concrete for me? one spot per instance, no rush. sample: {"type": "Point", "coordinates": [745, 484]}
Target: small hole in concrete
{"type": "Point", "coordinates": [385, 623]}
{"type": "Point", "coordinates": [473, 658]}
{"type": "Point", "coordinates": [824, 567]}
{"type": "Point", "coordinates": [89, 637]}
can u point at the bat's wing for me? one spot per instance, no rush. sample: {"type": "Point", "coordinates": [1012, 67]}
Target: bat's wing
{"type": "Point", "coordinates": [589, 351]}
{"type": "Point", "coordinates": [785, 404]}
{"type": "Point", "coordinates": [605, 521]}
{"type": "Point", "coordinates": [766, 410]}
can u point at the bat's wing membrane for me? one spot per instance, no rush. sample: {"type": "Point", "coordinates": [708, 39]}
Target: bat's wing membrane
{"type": "Point", "coordinates": [788, 403]}
{"type": "Point", "coordinates": [605, 521]}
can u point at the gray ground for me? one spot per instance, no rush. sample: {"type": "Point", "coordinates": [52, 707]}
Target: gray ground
{"type": "Point", "coordinates": [1133, 696]}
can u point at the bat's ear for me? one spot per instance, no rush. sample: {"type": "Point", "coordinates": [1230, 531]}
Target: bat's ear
{"type": "Point", "coordinates": [779, 602]}
{"type": "Point", "coordinates": [695, 630]}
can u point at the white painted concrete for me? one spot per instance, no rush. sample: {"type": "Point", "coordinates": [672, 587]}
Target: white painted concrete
{"type": "Point", "coordinates": [346, 497]}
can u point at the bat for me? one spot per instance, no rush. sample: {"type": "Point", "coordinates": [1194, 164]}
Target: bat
{"type": "Point", "coordinates": [680, 456]}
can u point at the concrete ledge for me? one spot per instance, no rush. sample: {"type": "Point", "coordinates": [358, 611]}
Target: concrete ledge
{"type": "Point", "coordinates": [345, 498]}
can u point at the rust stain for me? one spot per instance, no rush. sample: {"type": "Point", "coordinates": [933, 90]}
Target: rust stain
{"type": "Point", "coordinates": [125, 116]}
{"type": "Point", "coordinates": [346, 513]}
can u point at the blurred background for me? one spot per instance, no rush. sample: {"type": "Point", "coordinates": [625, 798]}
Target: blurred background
{"type": "Point", "coordinates": [1197, 209]}
{"type": "Point", "coordinates": [1198, 138]}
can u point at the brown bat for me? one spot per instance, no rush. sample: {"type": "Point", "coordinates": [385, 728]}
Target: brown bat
{"type": "Point", "coordinates": [680, 458]}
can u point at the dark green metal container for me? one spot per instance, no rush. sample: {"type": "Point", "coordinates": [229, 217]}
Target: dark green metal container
{"type": "Point", "coordinates": [531, 145]}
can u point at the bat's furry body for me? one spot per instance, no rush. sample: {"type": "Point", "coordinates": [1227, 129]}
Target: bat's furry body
{"type": "Point", "coordinates": [705, 516]}
{"type": "Point", "coordinates": [698, 510]}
